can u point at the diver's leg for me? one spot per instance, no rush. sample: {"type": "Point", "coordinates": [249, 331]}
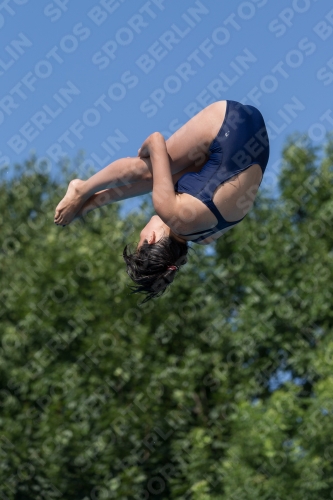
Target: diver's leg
{"type": "Point", "coordinates": [119, 173]}
{"type": "Point", "coordinates": [119, 193]}
{"type": "Point", "coordinates": [112, 195]}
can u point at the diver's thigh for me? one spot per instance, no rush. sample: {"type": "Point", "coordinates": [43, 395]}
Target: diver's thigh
{"type": "Point", "coordinates": [189, 146]}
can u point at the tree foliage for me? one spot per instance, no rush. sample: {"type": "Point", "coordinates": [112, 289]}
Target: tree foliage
{"type": "Point", "coordinates": [219, 390]}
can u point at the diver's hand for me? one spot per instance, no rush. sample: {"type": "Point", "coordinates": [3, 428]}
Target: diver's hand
{"type": "Point", "coordinates": [145, 150]}
{"type": "Point", "coordinates": [143, 153]}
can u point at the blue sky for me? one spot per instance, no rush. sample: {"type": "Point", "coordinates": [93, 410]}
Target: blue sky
{"type": "Point", "coordinates": [76, 75]}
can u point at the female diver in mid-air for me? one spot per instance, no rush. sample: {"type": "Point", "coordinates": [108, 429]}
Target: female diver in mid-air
{"type": "Point", "coordinates": [203, 179]}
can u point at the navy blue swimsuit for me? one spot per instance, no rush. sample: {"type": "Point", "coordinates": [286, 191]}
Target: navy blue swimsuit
{"type": "Point", "coordinates": [241, 142]}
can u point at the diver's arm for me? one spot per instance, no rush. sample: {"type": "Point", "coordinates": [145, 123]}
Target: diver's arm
{"type": "Point", "coordinates": [164, 196]}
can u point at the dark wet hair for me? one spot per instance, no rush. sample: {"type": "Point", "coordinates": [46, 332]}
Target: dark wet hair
{"type": "Point", "coordinates": [148, 265]}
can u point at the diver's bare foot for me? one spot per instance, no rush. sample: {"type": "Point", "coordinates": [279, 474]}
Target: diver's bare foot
{"type": "Point", "coordinates": [70, 204]}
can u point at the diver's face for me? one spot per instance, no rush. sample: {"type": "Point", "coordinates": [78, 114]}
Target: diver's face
{"type": "Point", "coordinates": [153, 231]}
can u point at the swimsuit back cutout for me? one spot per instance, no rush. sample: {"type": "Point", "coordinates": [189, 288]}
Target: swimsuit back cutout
{"type": "Point", "coordinates": [242, 141]}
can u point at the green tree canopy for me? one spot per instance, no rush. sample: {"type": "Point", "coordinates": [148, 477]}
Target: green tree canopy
{"type": "Point", "coordinates": [219, 390]}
